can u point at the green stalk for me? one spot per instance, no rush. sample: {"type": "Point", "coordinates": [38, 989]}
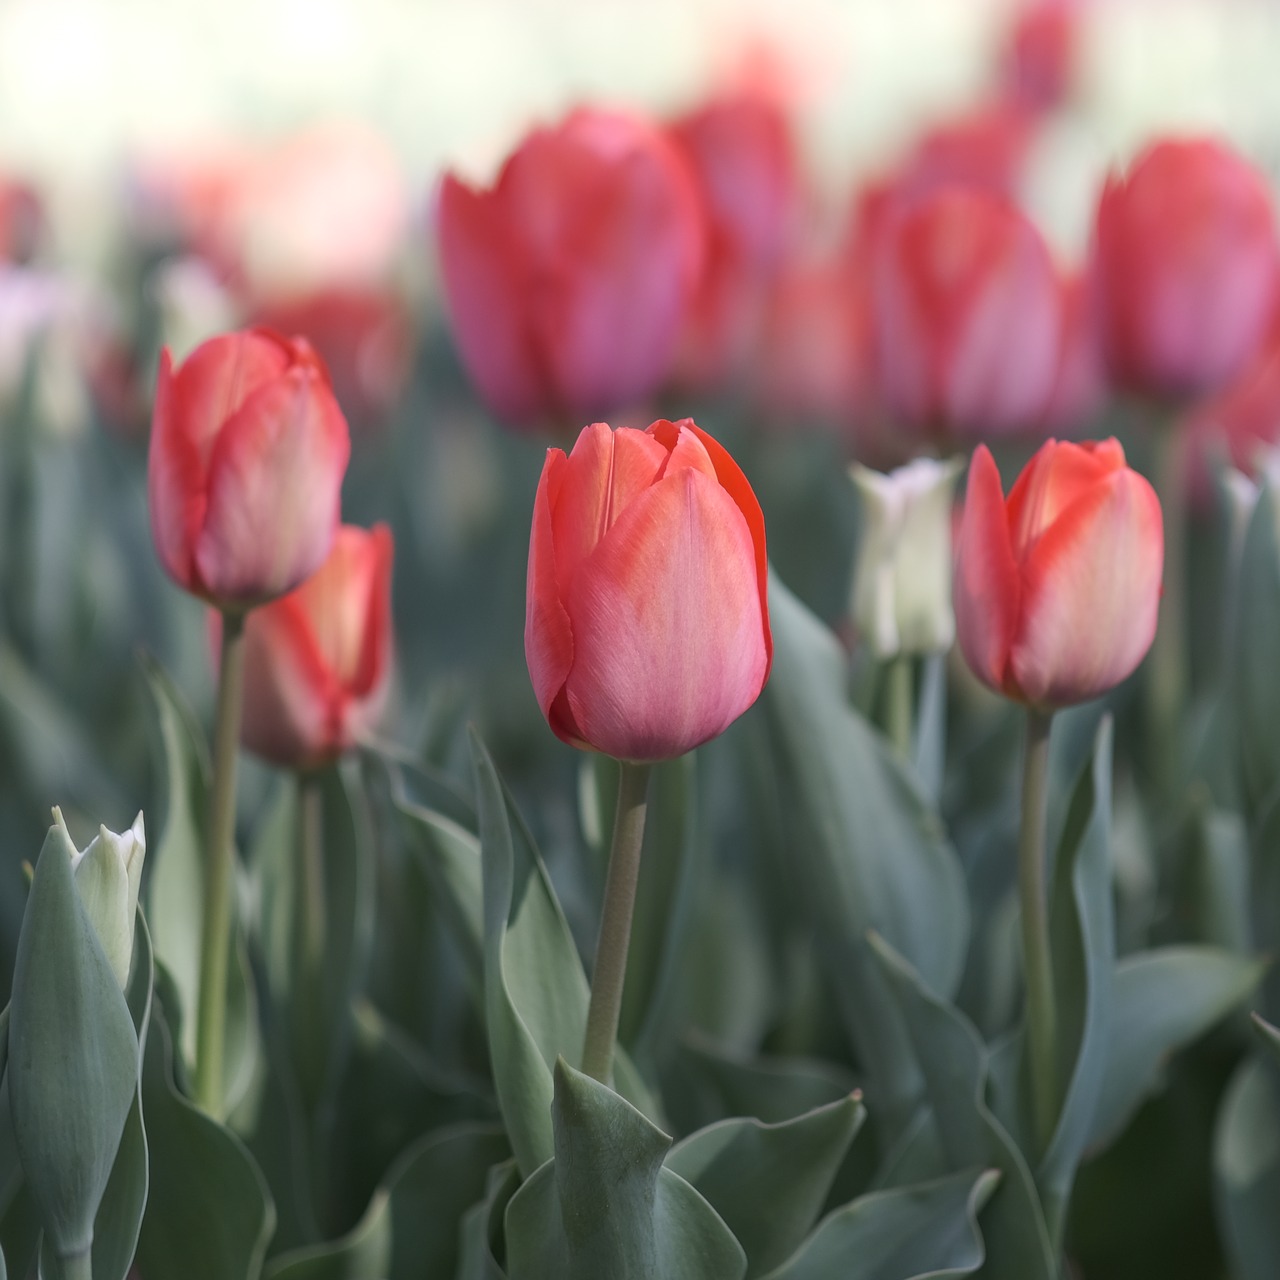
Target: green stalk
{"type": "Point", "coordinates": [77, 1266]}
{"type": "Point", "coordinates": [1170, 662]}
{"type": "Point", "coordinates": [308, 995]}
{"type": "Point", "coordinates": [215, 935]}
{"type": "Point", "coordinates": [615, 921]}
{"type": "Point", "coordinates": [1034, 900]}
{"type": "Point", "coordinates": [899, 709]}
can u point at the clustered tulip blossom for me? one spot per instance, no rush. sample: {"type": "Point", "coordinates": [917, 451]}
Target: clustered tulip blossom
{"type": "Point", "coordinates": [1057, 589]}
{"type": "Point", "coordinates": [248, 451]}
{"type": "Point", "coordinates": [647, 625]}
{"type": "Point", "coordinates": [569, 280]}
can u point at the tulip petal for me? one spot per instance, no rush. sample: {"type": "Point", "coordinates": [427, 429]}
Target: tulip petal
{"type": "Point", "coordinates": [273, 485]}
{"type": "Point", "coordinates": [987, 588]}
{"type": "Point", "coordinates": [669, 636]}
{"type": "Point", "coordinates": [175, 483]}
{"type": "Point", "coordinates": [1058, 475]}
{"type": "Point", "coordinates": [548, 637]}
{"type": "Point", "coordinates": [1091, 594]}
{"type": "Point", "coordinates": [486, 305]}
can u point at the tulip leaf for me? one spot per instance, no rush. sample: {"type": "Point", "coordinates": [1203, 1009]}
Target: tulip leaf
{"type": "Point", "coordinates": [481, 1229]}
{"type": "Point", "coordinates": [769, 1181]}
{"type": "Point", "coordinates": [1246, 1169]}
{"type": "Point", "coordinates": [535, 990]}
{"type": "Point", "coordinates": [364, 1251]}
{"type": "Point", "coordinates": [1270, 1035]}
{"type": "Point", "coordinates": [1215, 890]}
{"type": "Point", "coordinates": [73, 1055]}
{"type": "Point", "coordinates": [1160, 1001]}
{"type": "Point", "coordinates": [954, 1063]}
{"type": "Point", "coordinates": [871, 854]}
{"type": "Point", "coordinates": [196, 1164]}
{"type": "Point", "coordinates": [1082, 941]}
{"type": "Point", "coordinates": [928, 1231]}
{"type": "Point", "coordinates": [606, 1205]}
{"type": "Point", "coordinates": [1257, 693]}
{"type": "Point", "coordinates": [177, 891]}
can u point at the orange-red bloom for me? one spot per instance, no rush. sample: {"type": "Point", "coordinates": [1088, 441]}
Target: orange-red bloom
{"type": "Point", "coordinates": [646, 624]}
{"type": "Point", "coordinates": [1057, 589]}
{"type": "Point", "coordinates": [317, 662]}
{"type": "Point", "coordinates": [248, 451]}
{"type": "Point", "coordinates": [569, 281]}
{"type": "Point", "coordinates": [1187, 268]}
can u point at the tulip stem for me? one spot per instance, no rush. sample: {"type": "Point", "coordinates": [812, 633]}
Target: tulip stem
{"type": "Point", "coordinates": [308, 989]}
{"type": "Point", "coordinates": [615, 921]}
{"type": "Point", "coordinates": [1169, 660]}
{"type": "Point", "coordinates": [77, 1266]}
{"type": "Point", "coordinates": [215, 936]}
{"type": "Point", "coordinates": [899, 708]}
{"type": "Point", "coordinates": [1037, 959]}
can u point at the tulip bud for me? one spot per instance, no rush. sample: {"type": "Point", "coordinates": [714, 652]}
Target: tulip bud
{"type": "Point", "coordinates": [248, 450]}
{"type": "Point", "coordinates": [1187, 268]}
{"type": "Point", "coordinates": [569, 280]}
{"type": "Point", "coordinates": [108, 874]}
{"type": "Point", "coordinates": [317, 662]}
{"type": "Point", "coordinates": [966, 315]}
{"type": "Point", "coordinates": [902, 584]}
{"type": "Point", "coordinates": [646, 624]}
{"type": "Point", "coordinates": [1057, 589]}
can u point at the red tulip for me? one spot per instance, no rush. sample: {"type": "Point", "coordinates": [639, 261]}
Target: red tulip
{"type": "Point", "coordinates": [966, 315]}
{"type": "Point", "coordinates": [646, 624]}
{"type": "Point", "coordinates": [248, 450]}
{"type": "Point", "coordinates": [317, 662]}
{"type": "Point", "coordinates": [1057, 589]}
{"type": "Point", "coordinates": [1080, 389]}
{"type": "Point", "coordinates": [1039, 57]}
{"type": "Point", "coordinates": [1187, 268]}
{"type": "Point", "coordinates": [569, 281]}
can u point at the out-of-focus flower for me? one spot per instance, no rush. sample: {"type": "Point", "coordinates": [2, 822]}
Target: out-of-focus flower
{"type": "Point", "coordinates": [248, 451]}
{"type": "Point", "coordinates": [365, 337]}
{"type": "Point", "coordinates": [1080, 389]}
{"type": "Point", "coordinates": [1187, 268]}
{"type": "Point", "coordinates": [1038, 61]}
{"type": "Point", "coordinates": [646, 624]}
{"type": "Point", "coordinates": [966, 316]}
{"type": "Point", "coordinates": [317, 662]}
{"type": "Point", "coordinates": [569, 281]}
{"type": "Point", "coordinates": [742, 152]}
{"type": "Point", "coordinates": [22, 220]}
{"type": "Point", "coordinates": [902, 581]}
{"type": "Point", "coordinates": [108, 874]}
{"type": "Point", "coordinates": [985, 147]}
{"type": "Point", "coordinates": [1057, 589]}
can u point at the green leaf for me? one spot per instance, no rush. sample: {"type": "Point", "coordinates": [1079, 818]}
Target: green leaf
{"type": "Point", "coordinates": [1082, 938]}
{"type": "Point", "coordinates": [481, 1229]}
{"type": "Point", "coordinates": [362, 1254]}
{"type": "Point", "coordinates": [1160, 1001]}
{"type": "Point", "coordinates": [535, 991]}
{"type": "Point", "coordinates": [209, 1215]}
{"type": "Point", "coordinates": [870, 853]}
{"type": "Point", "coordinates": [1270, 1035]}
{"type": "Point", "coordinates": [177, 891]}
{"type": "Point", "coordinates": [1215, 889]}
{"type": "Point", "coordinates": [924, 1232]}
{"type": "Point", "coordinates": [954, 1063]}
{"type": "Point", "coordinates": [769, 1181]}
{"type": "Point", "coordinates": [1246, 1168]}
{"type": "Point", "coordinates": [607, 1206]}
{"type": "Point", "coordinates": [73, 1054]}
{"type": "Point", "coordinates": [1257, 692]}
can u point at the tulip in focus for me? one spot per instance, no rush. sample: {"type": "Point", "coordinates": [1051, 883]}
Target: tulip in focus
{"type": "Point", "coordinates": [317, 662]}
{"type": "Point", "coordinates": [902, 582]}
{"type": "Point", "coordinates": [248, 451]}
{"type": "Point", "coordinates": [569, 281]}
{"type": "Point", "coordinates": [1187, 268]}
{"type": "Point", "coordinates": [646, 624]}
{"type": "Point", "coordinates": [1057, 588]}
{"type": "Point", "coordinates": [966, 316]}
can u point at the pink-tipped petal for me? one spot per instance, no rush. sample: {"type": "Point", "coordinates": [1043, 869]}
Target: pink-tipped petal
{"type": "Point", "coordinates": [175, 483]}
{"type": "Point", "coordinates": [548, 636]}
{"type": "Point", "coordinates": [1058, 475]}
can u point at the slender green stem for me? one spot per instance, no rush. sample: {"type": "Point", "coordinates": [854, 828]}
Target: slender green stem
{"type": "Point", "coordinates": [1037, 959]}
{"type": "Point", "coordinates": [900, 703]}
{"type": "Point", "coordinates": [1170, 663]}
{"type": "Point", "coordinates": [215, 936]}
{"type": "Point", "coordinates": [308, 991]}
{"type": "Point", "coordinates": [615, 921]}
{"type": "Point", "coordinates": [77, 1266]}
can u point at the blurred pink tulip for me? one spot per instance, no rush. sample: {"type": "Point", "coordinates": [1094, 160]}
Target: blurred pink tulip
{"type": "Point", "coordinates": [1038, 61]}
{"type": "Point", "coordinates": [317, 662]}
{"type": "Point", "coordinates": [248, 451]}
{"type": "Point", "coordinates": [1057, 589]}
{"type": "Point", "coordinates": [1187, 268]}
{"type": "Point", "coordinates": [647, 623]}
{"type": "Point", "coordinates": [569, 281]}
{"type": "Point", "coordinates": [966, 316]}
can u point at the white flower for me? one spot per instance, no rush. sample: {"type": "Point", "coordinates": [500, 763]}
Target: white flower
{"type": "Point", "coordinates": [902, 582]}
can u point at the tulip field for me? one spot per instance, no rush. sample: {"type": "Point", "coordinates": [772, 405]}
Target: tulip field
{"type": "Point", "coordinates": [661, 708]}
